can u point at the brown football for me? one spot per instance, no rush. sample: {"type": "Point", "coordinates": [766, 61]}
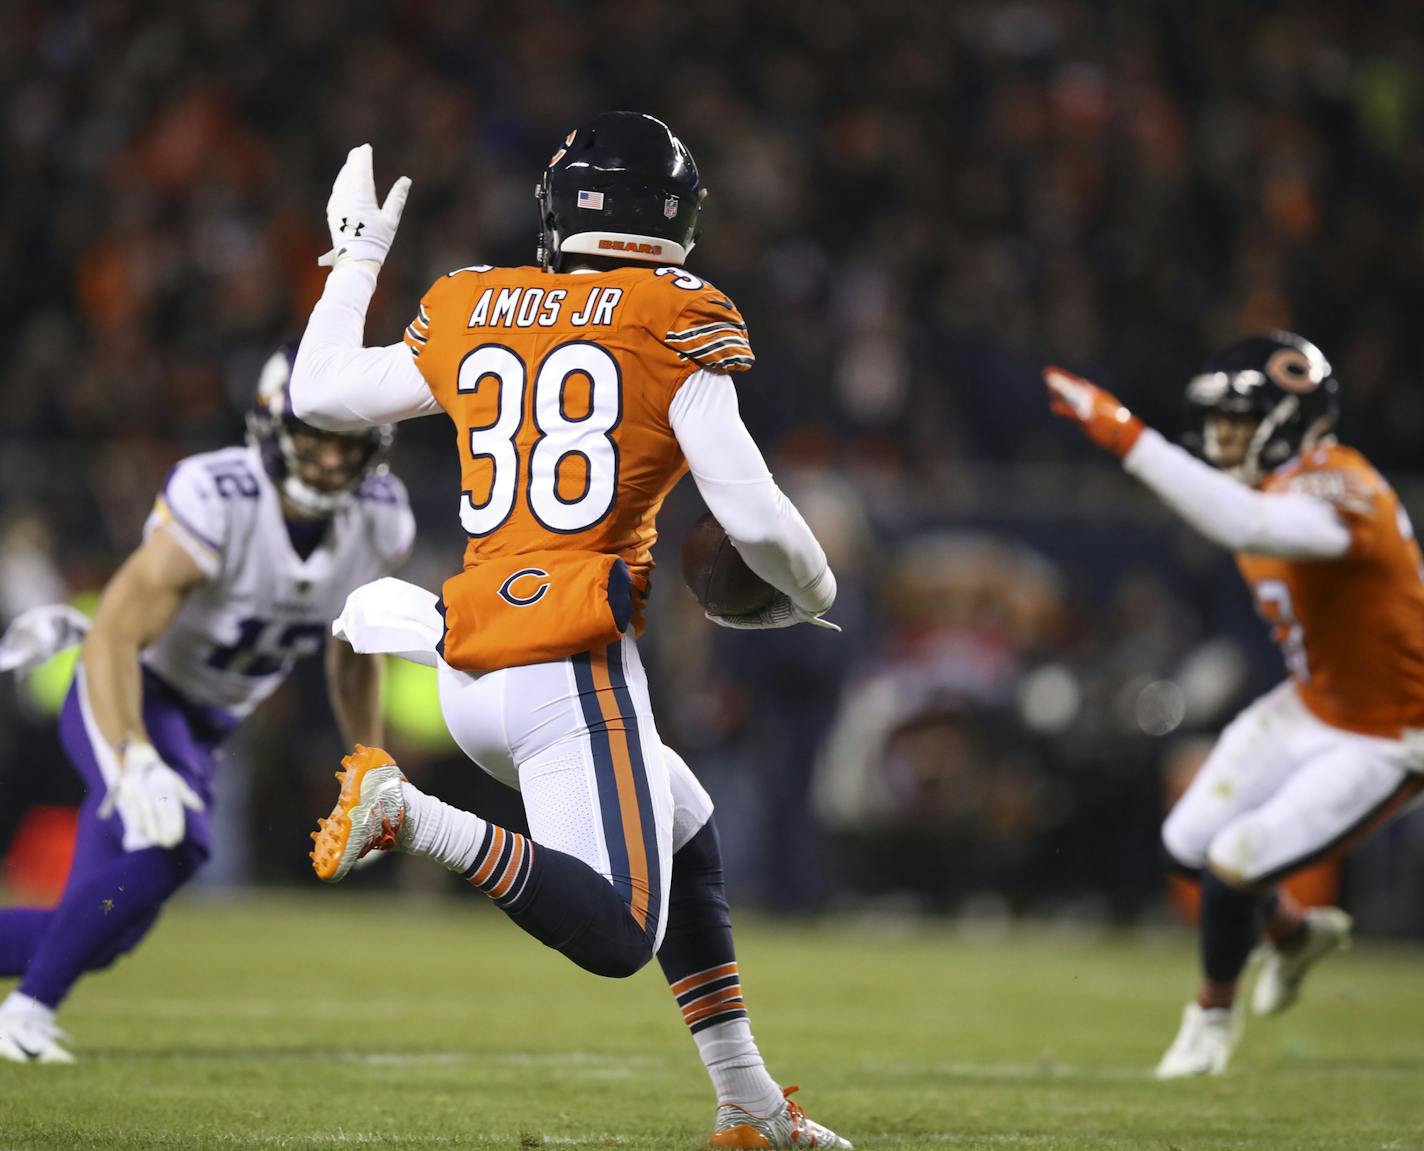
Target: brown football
{"type": "Point", "coordinates": [718, 576]}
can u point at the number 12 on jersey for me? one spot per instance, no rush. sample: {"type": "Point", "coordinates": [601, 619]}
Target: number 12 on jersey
{"type": "Point", "coordinates": [559, 436]}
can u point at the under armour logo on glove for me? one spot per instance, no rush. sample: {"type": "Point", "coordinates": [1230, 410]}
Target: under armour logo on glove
{"type": "Point", "coordinates": [366, 236]}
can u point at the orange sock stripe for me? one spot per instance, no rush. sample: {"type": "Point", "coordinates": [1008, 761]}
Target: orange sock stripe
{"type": "Point", "coordinates": [631, 817]}
{"type": "Point", "coordinates": [697, 979]}
{"type": "Point", "coordinates": [506, 881]}
{"type": "Point", "coordinates": [698, 1006]}
{"type": "Point", "coordinates": [491, 859]}
{"type": "Point", "coordinates": [737, 1003]}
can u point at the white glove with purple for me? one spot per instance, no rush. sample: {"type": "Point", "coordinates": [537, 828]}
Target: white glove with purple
{"type": "Point", "coordinates": [36, 635]}
{"type": "Point", "coordinates": [150, 797]}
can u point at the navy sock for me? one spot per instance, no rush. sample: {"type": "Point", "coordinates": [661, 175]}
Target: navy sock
{"type": "Point", "coordinates": [1230, 926]}
{"type": "Point", "coordinates": [103, 914]}
{"type": "Point", "coordinates": [563, 903]}
{"type": "Point", "coordinates": [698, 956]}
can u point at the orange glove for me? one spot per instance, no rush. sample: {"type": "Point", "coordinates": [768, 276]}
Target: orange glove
{"type": "Point", "coordinates": [1105, 421]}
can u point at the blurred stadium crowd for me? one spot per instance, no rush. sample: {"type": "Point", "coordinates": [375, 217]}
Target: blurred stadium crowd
{"type": "Point", "coordinates": [915, 205]}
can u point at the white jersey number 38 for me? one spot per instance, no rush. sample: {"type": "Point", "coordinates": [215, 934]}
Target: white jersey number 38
{"type": "Point", "coordinates": [561, 436]}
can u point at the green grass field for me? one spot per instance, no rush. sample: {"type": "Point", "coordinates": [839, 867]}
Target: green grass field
{"type": "Point", "coordinates": [321, 1022]}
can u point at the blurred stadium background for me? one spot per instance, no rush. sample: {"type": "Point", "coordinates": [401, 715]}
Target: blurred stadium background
{"type": "Point", "coordinates": [915, 205]}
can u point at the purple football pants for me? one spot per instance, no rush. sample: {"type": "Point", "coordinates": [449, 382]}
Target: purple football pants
{"type": "Point", "coordinates": [113, 896]}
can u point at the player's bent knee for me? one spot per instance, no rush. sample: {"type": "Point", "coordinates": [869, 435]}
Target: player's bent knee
{"type": "Point", "coordinates": [614, 954]}
{"type": "Point", "coordinates": [1184, 849]}
{"type": "Point", "coordinates": [1226, 860]}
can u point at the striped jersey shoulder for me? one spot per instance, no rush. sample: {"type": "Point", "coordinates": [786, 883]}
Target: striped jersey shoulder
{"type": "Point", "coordinates": [706, 328]}
{"type": "Point", "coordinates": [417, 332]}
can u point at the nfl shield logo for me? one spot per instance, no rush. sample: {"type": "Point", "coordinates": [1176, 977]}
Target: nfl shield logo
{"type": "Point", "coordinates": [670, 207]}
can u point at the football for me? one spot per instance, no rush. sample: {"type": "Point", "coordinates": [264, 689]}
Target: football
{"type": "Point", "coordinates": [718, 576]}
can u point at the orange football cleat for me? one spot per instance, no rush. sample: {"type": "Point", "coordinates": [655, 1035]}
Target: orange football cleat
{"type": "Point", "coordinates": [788, 1127]}
{"type": "Point", "coordinates": [368, 816]}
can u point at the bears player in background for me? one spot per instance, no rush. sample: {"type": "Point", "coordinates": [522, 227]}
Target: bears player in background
{"type": "Point", "coordinates": [1337, 749]}
{"type": "Point", "coordinates": [580, 391]}
{"type": "Point", "coordinates": [248, 555]}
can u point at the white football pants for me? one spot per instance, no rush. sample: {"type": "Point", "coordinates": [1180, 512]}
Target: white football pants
{"type": "Point", "coordinates": [1282, 789]}
{"type": "Point", "coordinates": [576, 737]}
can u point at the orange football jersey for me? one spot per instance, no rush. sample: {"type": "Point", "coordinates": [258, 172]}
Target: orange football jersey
{"type": "Point", "coordinates": [559, 387]}
{"type": "Point", "coordinates": [1351, 629]}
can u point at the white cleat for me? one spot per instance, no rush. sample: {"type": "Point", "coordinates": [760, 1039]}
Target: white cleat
{"type": "Point", "coordinates": [1204, 1044]}
{"type": "Point", "coordinates": [368, 816]}
{"type": "Point", "coordinates": [789, 1127]}
{"type": "Point", "coordinates": [1327, 929]}
{"type": "Point", "coordinates": [28, 1038]}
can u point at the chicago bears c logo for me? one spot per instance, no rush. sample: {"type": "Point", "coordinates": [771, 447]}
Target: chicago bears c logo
{"type": "Point", "coordinates": [513, 598]}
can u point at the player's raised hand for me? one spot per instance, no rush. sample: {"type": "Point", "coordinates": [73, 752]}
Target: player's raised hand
{"type": "Point", "coordinates": [361, 229]}
{"type": "Point", "coordinates": [150, 797]}
{"type": "Point", "coordinates": [1103, 418]}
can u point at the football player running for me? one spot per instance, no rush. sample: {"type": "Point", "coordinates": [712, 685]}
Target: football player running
{"type": "Point", "coordinates": [1337, 749]}
{"type": "Point", "coordinates": [580, 390]}
{"type": "Point", "coordinates": [247, 556]}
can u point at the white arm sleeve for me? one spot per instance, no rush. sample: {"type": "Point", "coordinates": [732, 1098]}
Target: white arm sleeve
{"type": "Point", "coordinates": [732, 476]}
{"type": "Point", "coordinates": [338, 384]}
{"type": "Point", "coordinates": [1290, 525]}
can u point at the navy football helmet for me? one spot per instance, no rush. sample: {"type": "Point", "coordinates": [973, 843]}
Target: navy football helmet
{"type": "Point", "coordinates": [289, 447]}
{"type": "Point", "coordinates": [622, 186]}
{"type": "Point", "coordinates": [1283, 381]}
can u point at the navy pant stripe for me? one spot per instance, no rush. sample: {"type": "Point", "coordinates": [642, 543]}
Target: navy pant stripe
{"type": "Point", "coordinates": [604, 775]}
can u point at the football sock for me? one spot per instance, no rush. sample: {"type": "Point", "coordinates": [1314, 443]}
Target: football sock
{"type": "Point", "coordinates": [437, 831]}
{"type": "Point", "coordinates": [102, 915]}
{"type": "Point", "coordinates": [17, 1003]}
{"type": "Point", "coordinates": [555, 897]}
{"type": "Point", "coordinates": [1285, 924]}
{"type": "Point", "coordinates": [699, 960]}
{"type": "Point", "coordinates": [1230, 927]}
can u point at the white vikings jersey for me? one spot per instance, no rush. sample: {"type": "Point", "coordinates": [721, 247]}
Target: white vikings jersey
{"type": "Point", "coordinates": [263, 607]}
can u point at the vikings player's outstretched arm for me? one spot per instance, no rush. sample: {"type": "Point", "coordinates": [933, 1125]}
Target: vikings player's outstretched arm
{"type": "Point", "coordinates": [337, 383]}
{"type": "Point", "coordinates": [1289, 525]}
{"type": "Point", "coordinates": [136, 608]}
{"type": "Point", "coordinates": [739, 491]}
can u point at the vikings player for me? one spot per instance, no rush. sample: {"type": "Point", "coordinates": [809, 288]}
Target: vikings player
{"type": "Point", "coordinates": [1338, 748]}
{"type": "Point", "coordinates": [247, 556]}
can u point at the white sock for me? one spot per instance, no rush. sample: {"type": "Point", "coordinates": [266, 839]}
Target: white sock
{"type": "Point", "coordinates": [24, 1005]}
{"type": "Point", "coordinates": [436, 830]}
{"type": "Point", "coordinates": [738, 1072]}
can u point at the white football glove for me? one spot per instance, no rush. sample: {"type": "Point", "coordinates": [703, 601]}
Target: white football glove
{"type": "Point", "coordinates": [781, 612]}
{"type": "Point", "coordinates": [150, 797]}
{"type": "Point", "coordinates": [36, 635]}
{"type": "Point", "coordinates": [360, 228]}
